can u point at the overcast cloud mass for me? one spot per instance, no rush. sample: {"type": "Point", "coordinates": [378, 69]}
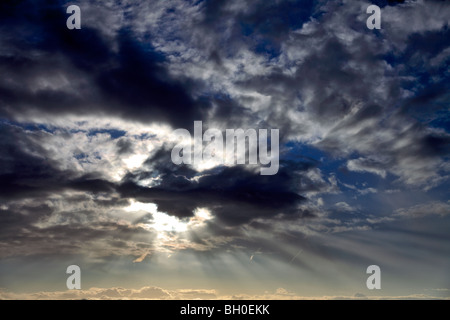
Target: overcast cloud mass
{"type": "Point", "coordinates": [86, 175]}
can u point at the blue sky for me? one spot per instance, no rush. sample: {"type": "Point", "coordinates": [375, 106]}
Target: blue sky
{"type": "Point", "coordinates": [86, 122]}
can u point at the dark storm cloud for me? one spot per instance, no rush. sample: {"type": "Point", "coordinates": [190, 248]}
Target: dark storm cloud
{"type": "Point", "coordinates": [263, 24]}
{"type": "Point", "coordinates": [90, 184]}
{"type": "Point", "coordinates": [233, 194]}
{"type": "Point", "coordinates": [130, 82]}
{"type": "Point", "coordinates": [26, 169]}
{"type": "Point", "coordinates": [22, 173]}
{"type": "Point", "coordinates": [383, 3]}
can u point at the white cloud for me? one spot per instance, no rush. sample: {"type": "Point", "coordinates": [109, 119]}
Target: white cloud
{"type": "Point", "coordinates": [432, 208]}
{"type": "Point", "coordinates": [421, 210]}
{"type": "Point", "coordinates": [363, 165]}
{"type": "Point", "coordinates": [343, 206]}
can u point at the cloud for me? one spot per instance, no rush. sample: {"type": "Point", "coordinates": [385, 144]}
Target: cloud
{"type": "Point", "coordinates": [141, 258]}
{"type": "Point", "coordinates": [76, 181]}
{"type": "Point", "coordinates": [343, 206]}
{"type": "Point", "coordinates": [360, 296]}
{"type": "Point", "coordinates": [234, 195]}
{"type": "Point", "coordinates": [157, 293]}
{"type": "Point", "coordinates": [82, 73]}
{"type": "Point", "coordinates": [115, 293]}
{"type": "Point", "coordinates": [421, 210]}
{"type": "Point", "coordinates": [316, 76]}
{"type": "Point", "coordinates": [367, 165]}
{"type": "Point", "coordinates": [431, 208]}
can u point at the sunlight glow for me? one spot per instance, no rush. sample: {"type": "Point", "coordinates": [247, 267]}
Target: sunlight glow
{"type": "Point", "coordinates": [201, 215]}
{"type": "Point", "coordinates": [163, 222]}
{"type": "Point", "coordinates": [135, 161]}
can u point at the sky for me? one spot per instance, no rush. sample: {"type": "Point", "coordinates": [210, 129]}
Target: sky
{"type": "Point", "coordinates": [86, 133]}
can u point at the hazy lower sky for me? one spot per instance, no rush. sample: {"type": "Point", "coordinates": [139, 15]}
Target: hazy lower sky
{"type": "Point", "coordinates": [86, 122]}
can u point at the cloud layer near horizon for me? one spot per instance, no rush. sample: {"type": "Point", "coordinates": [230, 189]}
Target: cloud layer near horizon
{"type": "Point", "coordinates": [156, 293]}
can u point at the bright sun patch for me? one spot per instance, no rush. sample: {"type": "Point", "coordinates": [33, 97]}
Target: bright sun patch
{"type": "Point", "coordinates": [163, 222]}
{"type": "Point", "coordinates": [135, 161]}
